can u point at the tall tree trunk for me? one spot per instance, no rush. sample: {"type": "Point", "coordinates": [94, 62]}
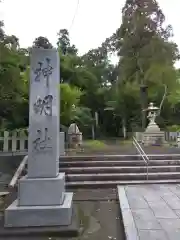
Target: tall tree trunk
{"type": "Point", "coordinates": [143, 92]}
{"type": "Point", "coordinates": [124, 129]}
{"type": "Point", "coordinates": [93, 131]}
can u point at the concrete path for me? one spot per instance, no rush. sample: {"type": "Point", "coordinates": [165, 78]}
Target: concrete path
{"type": "Point", "coordinates": [150, 212]}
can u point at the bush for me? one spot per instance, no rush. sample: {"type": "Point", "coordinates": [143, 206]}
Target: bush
{"type": "Point", "coordinates": [174, 128]}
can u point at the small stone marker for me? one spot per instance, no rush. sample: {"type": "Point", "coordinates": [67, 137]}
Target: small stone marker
{"type": "Point", "coordinates": [74, 135]}
{"type": "Point", "coordinates": [42, 200]}
{"type": "Point", "coordinates": [178, 141]}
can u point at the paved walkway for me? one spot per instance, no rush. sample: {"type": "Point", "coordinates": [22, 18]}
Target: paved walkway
{"type": "Point", "coordinates": [150, 212]}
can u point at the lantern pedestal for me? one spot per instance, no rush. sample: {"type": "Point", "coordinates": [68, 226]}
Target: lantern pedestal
{"type": "Point", "coordinates": [153, 135]}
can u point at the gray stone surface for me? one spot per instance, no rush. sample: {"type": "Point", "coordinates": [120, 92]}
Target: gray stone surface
{"type": "Point", "coordinates": [161, 210]}
{"type": "Point", "coordinates": [137, 202]}
{"type": "Point", "coordinates": [153, 138]}
{"type": "Point", "coordinates": [43, 160]}
{"type": "Point", "coordinates": [145, 219]}
{"type": "Point", "coordinates": [41, 191]}
{"type": "Point", "coordinates": [153, 235]}
{"type": "Point", "coordinates": [24, 216]}
{"type": "Point", "coordinates": [128, 221]}
{"type": "Point", "coordinates": [158, 219]}
{"type": "Point", "coordinates": [42, 233]}
{"type": "Point", "coordinates": [174, 235]}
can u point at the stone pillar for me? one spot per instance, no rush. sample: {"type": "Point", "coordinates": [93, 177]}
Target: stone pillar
{"type": "Point", "coordinates": [42, 200]}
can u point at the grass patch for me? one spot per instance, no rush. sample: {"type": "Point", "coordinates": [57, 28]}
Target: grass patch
{"type": "Point", "coordinates": [89, 146]}
{"type": "Point", "coordinates": [126, 142]}
{"type": "Point", "coordinates": [101, 147]}
{"type": "Point", "coordinates": [94, 144]}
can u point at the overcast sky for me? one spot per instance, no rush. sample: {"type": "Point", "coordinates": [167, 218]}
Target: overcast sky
{"type": "Point", "coordinates": [95, 20]}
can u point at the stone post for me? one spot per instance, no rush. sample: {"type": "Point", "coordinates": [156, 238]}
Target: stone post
{"type": "Point", "coordinates": [42, 200]}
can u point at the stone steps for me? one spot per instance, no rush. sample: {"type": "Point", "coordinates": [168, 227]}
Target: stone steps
{"type": "Point", "coordinates": [109, 171]}
{"type": "Point", "coordinates": [120, 163]}
{"type": "Point", "coordinates": [118, 157]}
{"type": "Point", "coordinates": [113, 184]}
{"type": "Point", "coordinates": [3, 186]}
{"type": "Point", "coordinates": [121, 176]}
{"type": "Point", "coordinates": [121, 169]}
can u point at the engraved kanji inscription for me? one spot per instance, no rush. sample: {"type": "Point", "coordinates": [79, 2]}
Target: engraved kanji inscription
{"type": "Point", "coordinates": [38, 72]}
{"type": "Point", "coordinates": [43, 105]}
{"type": "Point", "coordinates": [43, 141]}
{"type": "Point", "coordinates": [46, 71]}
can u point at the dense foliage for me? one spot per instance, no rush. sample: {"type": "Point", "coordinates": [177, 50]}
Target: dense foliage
{"type": "Point", "coordinates": [104, 99]}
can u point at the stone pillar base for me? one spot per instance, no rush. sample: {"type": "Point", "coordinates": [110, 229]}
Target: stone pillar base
{"type": "Point", "coordinates": [153, 138]}
{"type": "Point", "coordinates": [38, 216]}
{"type": "Point", "coordinates": [41, 191]}
{"type": "Point", "coordinates": [41, 202]}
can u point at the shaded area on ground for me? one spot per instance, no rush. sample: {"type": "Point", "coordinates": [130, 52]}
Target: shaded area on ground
{"type": "Point", "coordinates": [8, 166]}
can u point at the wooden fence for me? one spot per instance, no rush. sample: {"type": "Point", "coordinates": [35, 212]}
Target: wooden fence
{"type": "Point", "coordinates": [17, 142]}
{"type": "Point", "coordinates": [169, 136]}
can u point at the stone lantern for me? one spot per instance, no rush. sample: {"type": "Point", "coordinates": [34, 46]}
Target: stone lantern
{"type": "Point", "coordinates": [153, 112]}
{"type": "Point", "coordinates": [153, 135]}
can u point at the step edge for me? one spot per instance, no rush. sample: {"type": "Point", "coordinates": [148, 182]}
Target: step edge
{"type": "Point", "coordinates": [121, 174]}
{"type": "Point", "coordinates": [123, 181]}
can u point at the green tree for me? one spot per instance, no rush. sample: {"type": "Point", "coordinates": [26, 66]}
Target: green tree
{"type": "Point", "coordinates": [70, 97]}
{"type": "Point", "coordinates": [91, 85]}
{"type": "Point", "coordinates": [42, 42]}
{"type": "Point", "coordinates": [2, 34]}
{"type": "Point", "coordinates": [12, 88]}
{"type": "Point", "coordinates": [142, 44]}
{"type": "Point", "coordinates": [64, 43]}
{"type": "Point", "coordinates": [12, 42]}
{"type": "Point", "coordinates": [123, 105]}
